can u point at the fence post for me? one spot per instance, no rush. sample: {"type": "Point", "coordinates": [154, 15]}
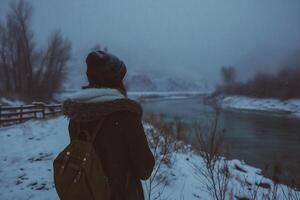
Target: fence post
{"type": "Point", "coordinates": [40, 105]}
{"type": "Point", "coordinates": [35, 108]}
{"type": "Point", "coordinates": [21, 113]}
{"type": "Point", "coordinates": [43, 105]}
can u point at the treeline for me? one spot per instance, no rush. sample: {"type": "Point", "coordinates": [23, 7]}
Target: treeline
{"type": "Point", "coordinates": [26, 71]}
{"type": "Point", "coordinates": [285, 84]}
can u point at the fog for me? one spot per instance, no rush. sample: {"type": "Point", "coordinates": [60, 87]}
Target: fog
{"type": "Point", "coordinates": [188, 38]}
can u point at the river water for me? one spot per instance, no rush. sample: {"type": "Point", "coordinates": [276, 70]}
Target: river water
{"type": "Point", "coordinates": [259, 139]}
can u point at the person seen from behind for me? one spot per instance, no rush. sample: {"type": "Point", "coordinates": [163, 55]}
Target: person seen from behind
{"type": "Point", "coordinates": [120, 142]}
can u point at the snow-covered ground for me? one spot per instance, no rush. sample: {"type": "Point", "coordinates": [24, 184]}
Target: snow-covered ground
{"type": "Point", "coordinates": [288, 107]}
{"type": "Point", "coordinates": [27, 151]}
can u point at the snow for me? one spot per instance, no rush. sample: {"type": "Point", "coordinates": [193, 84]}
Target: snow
{"type": "Point", "coordinates": [8, 102]}
{"type": "Point", "coordinates": [289, 107]}
{"type": "Point", "coordinates": [27, 151]}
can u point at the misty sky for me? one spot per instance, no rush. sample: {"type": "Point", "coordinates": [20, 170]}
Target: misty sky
{"type": "Point", "coordinates": [189, 38]}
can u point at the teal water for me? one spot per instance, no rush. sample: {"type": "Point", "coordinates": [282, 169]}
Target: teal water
{"type": "Point", "coordinates": [259, 139]}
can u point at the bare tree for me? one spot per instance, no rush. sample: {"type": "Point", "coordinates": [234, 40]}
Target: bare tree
{"type": "Point", "coordinates": [4, 66]}
{"type": "Point", "coordinates": [18, 21]}
{"type": "Point", "coordinates": [228, 74]}
{"type": "Point", "coordinates": [26, 71]}
{"type": "Point", "coordinates": [52, 70]}
{"type": "Point", "coordinates": [17, 48]}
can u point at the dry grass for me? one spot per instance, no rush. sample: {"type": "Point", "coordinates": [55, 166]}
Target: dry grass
{"type": "Point", "coordinates": [175, 129]}
{"type": "Point", "coordinates": [215, 175]}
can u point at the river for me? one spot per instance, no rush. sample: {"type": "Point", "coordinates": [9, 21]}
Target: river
{"type": "Point", "coordinates": [257, 138]}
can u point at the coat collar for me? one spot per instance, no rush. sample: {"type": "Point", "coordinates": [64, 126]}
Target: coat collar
{"type": "Point", "coordinates": [94, 103]}
{"type": "Point", "coordinates": [95, 95]}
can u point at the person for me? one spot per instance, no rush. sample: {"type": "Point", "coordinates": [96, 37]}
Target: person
{"type": "Point", "coordinates": [121, 143]}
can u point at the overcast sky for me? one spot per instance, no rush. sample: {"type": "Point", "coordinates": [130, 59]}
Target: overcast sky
{"type": "Point", "coordinates": [189, 38]}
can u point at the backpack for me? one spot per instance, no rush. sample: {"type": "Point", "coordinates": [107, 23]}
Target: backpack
{"type": "Point", "coordinates": [78, 171]}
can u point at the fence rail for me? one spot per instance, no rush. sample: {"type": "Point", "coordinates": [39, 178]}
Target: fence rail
{"type": "Point", "coordinates": [37, 110]}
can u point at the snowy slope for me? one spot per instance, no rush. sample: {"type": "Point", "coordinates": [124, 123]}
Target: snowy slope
{"type": "Point", "coordinates": [27, 152]}
{"type": "Point", "coordinates": [289, 107]}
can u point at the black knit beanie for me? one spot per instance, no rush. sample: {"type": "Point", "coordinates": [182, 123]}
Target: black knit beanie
{"type": "Point", "coordinates": [104, 69]}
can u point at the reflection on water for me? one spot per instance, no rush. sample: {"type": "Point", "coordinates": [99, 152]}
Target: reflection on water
{"type": "Point", "coordinates": [257, 139]}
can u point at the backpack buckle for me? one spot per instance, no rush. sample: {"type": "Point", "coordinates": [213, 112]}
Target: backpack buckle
{"type": "Point", "coordinates": [66, 158]}
{"type": "Point", "coordinates": [77, 178]}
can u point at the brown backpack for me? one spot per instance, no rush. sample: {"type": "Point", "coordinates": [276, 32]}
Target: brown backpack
{"type": "Point", "coordinates": [78, 171]}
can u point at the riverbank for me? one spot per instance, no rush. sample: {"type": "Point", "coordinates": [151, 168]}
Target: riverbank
{"type": "Point", "coordinates": [155, 95]}
{"type": "Point", "coordinates": [272, 106]}
{"type": "Point", "coordinates": [27, 151]}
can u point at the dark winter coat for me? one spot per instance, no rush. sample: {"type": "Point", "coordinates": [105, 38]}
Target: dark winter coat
{"type": "Point", "coordinates": [121, 142]}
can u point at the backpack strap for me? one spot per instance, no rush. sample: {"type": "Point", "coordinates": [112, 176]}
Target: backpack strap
{"type": "Point", "coordinates": [90, 137]}
{"type": "Point", "coordinates": [96, 130]}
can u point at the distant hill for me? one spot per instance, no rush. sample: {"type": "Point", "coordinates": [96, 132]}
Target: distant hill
{"type": "Point", "coordinates": [142, 82]}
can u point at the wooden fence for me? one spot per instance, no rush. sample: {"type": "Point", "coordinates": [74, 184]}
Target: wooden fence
{"type": "Point", "coordinates": [18, 114]}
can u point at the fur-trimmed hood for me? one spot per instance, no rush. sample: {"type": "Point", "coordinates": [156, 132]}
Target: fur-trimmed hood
{"type": "Point", "coordinates": [93, 103]}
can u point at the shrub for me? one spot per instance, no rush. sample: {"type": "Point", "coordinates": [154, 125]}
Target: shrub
{"type": "Point", "coordinates": [285, 84]}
